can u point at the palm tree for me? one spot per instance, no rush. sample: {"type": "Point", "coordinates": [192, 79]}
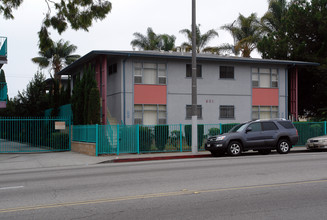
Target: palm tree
{"type": "Point", "coordinates": [153, 41]}
{"type": "Point", "coordinates": [167, 42]}
{"type": "Point", "coordinates": [201, 40]}
{"type": "Point", "coordinates": [272, 19]}
{"type": "Point", "coordinates": [57, 56]}
{"type": "Point", "coordinates": [246, 33]}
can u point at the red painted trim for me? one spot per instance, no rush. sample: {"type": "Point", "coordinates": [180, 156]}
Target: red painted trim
{"type": "Point", "coordinates": [150, 94]}
{"type": "Point", "coordinates": [104, 88]}
{"type": "Point", "coordinates": [265, 96]}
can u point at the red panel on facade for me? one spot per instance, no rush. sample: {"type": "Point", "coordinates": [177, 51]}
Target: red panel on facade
{"type": "Point", "coordinates": [3, 104]}
{"type": "Point", "coordinates": [265, 96]}
{"type": "Point", "coordinates": [150, 94]}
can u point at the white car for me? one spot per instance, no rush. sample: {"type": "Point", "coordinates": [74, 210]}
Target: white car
{"type": "Point", "coordinates": [317, 143]}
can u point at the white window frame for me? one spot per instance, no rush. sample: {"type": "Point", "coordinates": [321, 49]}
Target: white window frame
{"type": "Point", "coordinates": [273, 73]}
{"type": "Point", "coordinates": [271, 111]}
{"type": "Point", "coordinates": [139, 78]}
{"type": "Point", "coordinates": [159, 109]}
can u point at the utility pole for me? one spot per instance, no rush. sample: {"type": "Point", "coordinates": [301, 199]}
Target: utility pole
{"type": "Point", "coordinates": [194, 86]}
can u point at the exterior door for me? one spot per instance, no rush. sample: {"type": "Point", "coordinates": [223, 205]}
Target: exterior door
{"type": "Point", "coordinates": [255, 137]}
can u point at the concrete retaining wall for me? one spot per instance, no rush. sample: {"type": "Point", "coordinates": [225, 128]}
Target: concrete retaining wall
{"type": "Point", "coordinates": [84, 148]}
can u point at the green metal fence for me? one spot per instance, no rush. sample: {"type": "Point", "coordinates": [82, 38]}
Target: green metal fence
{"type": "Point", "coordinates": [116, 139]}
{"type": "Point", "coordinates": [65, 111]}
{"type": "Point", "coordinates": [307, 130]}
{"type": "Point", "coordinates": [34, 134]}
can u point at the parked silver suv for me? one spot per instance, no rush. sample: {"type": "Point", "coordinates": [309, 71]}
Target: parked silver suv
{"type": "Point", "coordinates": [259, 135]}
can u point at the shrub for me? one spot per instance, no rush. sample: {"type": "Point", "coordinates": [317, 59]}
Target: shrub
{"type": "Point", "coordinates": [161, 133]}
{"type": "Point", "coordinates": [213, 131]}
{"type": "Point", "coordinates": [174, 137]}
{"type": "Point", "coordinates": [59, 141]}
{"type": "Point", "coordinates": [145, 138]}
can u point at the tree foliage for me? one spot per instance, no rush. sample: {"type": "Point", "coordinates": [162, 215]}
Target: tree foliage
{"type": "Point", "coordinates": [301, 35]}
{"type": "Point", "coordinates": [32, 101]}
{"type": "Point", "coordinates": [57, 56]}
{"type": "Point", "coordinates": [246, 34]}
{"type": "Point", "coordinates": [202, 40]}
{"type": "Point", "coordinates": [153, 41]}
{"type": "Point", "coordinates": [78, 14]}
{"type": "Point", "coordinates": [85, 103]}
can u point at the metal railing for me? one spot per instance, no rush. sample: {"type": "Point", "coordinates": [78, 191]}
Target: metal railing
{"type": "Point", "coordinates": [3, 46]}
{"type": "Point", "coordinates": [167, 138]}
{"type": "Point", "coordinates": [34, 134]}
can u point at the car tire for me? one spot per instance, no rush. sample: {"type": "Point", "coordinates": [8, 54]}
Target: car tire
{"type": "Point", "coordinates": [283, 146]}
{"type": "Point", "coordinates": [264, 152]}
{"type": "Point", "coordinates": [234, 148]}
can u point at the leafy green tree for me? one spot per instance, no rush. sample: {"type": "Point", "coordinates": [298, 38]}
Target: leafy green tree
{"type": "Point", "coordinates": [273, 19]}
{"type": "Point", "coordinates": [78, 102]}
{"type": "Point", "coordinates": [274, 43]}
{"type": "Point", "coordinates": [150, 41]}
{"type": "Point", "coordinates": [32, 101]}
{"type": "Point", "coordinates": [94, 107]}
{"type": "Point", "coordinates": [246, 33]}
{"type": "Point", "coordinates": [2, 76]}
{"type": "Point", "coordinates": [79, 14]}
{"type": "Point", "coordinates": [167, 42]}
{"type": "Point", "coordinates": [201, 39]}
{"type": "Point", "coordinates": [57, 56]}
{"type": "Point", "coordinates": [153, 41]}
{"type": "Point", "coordinates": [81, 99]}
{"type": "Point", "coordinates": [302, 35]}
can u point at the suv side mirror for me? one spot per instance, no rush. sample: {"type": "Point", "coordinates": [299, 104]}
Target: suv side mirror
{"type": "Point", "coordinates": [248, 129]}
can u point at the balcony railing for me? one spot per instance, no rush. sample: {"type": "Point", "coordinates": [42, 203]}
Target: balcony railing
{"type": "Point", "coordinates": [3, 46]}
{"type": "Point", "coordinates": [3, 91]}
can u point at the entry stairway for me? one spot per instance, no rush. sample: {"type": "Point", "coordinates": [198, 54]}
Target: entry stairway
{"type": "Point", "coordinates": [111, 132]}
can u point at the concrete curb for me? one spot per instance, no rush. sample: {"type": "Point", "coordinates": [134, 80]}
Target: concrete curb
{"type": "Point", "coordinates": [155, 158]}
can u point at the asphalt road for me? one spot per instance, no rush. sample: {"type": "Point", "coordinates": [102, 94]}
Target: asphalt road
{"type": "Point", "coordinates": [252, 186]}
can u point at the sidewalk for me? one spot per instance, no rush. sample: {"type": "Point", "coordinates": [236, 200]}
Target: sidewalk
{"type": "Point", "coordinates": [61, 159]}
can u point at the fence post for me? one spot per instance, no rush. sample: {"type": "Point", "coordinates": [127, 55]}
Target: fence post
{"type": "Point", "coordinates": [96, 140]}
{"type": "Point", "coordinates": [220, 128]}
{"type": "Point", "coordinates": [138, 138]}
{"type": "Point", "coordinates": [117, 139]}
{"type": "Point", "coordinates": [70, 135]}
{"type": "Point", "coordinates": [181, 137]}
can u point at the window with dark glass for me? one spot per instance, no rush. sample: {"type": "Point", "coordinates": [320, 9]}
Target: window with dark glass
{"type": "Point", "coordinates": [226, 111]}
{"type": "Point", "coordinates": [226, 72]}
{"type": "Point", "coordinates": [268, 126]}
{"type": "Point", "coordinates": [112, 68]}
{"type": "Point", "coordinates": [189, 111]}
{"type": "Point", "coordinates": [189, 70]}
{"type": "Point", "coordinates": [255, 127]}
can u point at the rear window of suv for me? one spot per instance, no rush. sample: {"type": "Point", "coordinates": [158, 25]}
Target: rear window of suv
{"type": "Point", "coordinates": [286, 124]}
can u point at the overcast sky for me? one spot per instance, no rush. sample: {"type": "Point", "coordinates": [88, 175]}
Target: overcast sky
{"type": "Point", "coordinates": [116, 31]}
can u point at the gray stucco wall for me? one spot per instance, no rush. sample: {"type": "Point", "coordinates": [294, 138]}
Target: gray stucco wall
{"type": "Point", "coordinates": [212, 91]}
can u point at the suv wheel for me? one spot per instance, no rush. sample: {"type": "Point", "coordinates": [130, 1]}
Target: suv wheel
{"type": "Point", "coordinates": [234, 148]}
{"type": "Point", "coordinates": [283, 146]}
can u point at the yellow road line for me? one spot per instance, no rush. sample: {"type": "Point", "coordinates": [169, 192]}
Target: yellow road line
{"type": "Point", "coordinates": [156, 195]}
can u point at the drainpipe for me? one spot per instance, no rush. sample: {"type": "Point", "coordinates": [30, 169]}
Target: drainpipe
{"type": "Point", "coordinates": [124, 88]}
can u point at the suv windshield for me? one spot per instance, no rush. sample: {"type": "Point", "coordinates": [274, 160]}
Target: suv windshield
{"type": "Point", "coordinates": [237, 128]}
